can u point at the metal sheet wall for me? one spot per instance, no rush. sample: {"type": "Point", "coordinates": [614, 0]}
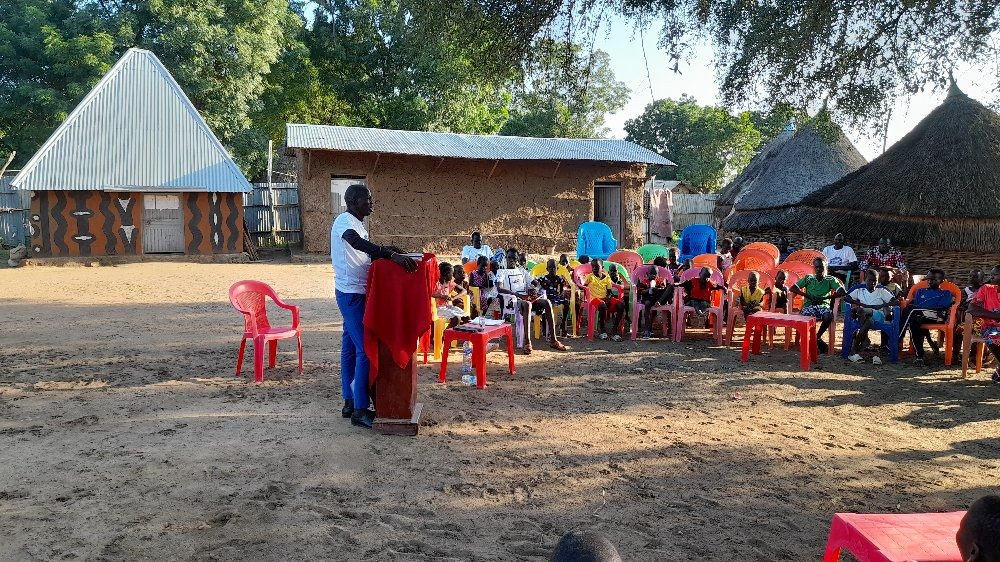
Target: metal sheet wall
{"type": "Point", "coordinates": [14, 208]}
{"type": "Point", "coordinates": [259, 214]}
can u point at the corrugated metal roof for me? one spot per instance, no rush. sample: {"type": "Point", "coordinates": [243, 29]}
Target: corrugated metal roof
{"type": "Point", "coordinates": [452, 145]}
{"type": "Point", "coordinates": [136, 129]}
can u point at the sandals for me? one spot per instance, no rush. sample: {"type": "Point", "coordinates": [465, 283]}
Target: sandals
{"type": "Point", "coordinates": [616, 338]}
{"type": "Point", "coordinates": [557, 345]}
{"type": "Point", "coordinates": [526, 349]}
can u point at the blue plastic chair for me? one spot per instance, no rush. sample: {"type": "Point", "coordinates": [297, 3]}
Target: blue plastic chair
{"type": "Point", "coordinates": [697, 239]}
{"type": "Point", "coordinates": [594, 239]}
{"type": "Point", "coordinates": [889, 330]}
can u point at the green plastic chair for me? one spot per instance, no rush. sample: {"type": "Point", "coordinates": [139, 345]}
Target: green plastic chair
{"type": "Point", "coordinates": [649, 252]}
{"type": "Point", "coordinates": [529, 265]}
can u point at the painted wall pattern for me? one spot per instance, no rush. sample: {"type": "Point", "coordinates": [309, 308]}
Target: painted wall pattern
{"type": "Point", "coordinates": [97, 223]}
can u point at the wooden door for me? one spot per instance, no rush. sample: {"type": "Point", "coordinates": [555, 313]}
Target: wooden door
{"type": "Point", "coordinates": [163, 224]}
{"type": "Point", "coordinates": [608, 206]}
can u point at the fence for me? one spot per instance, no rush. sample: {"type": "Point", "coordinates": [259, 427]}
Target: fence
{"type": "Point", "coordinates": [14, 209]}
{"type": "Point", "coordinates": [260, 212]}
{"type": "Point", "coordinates": [693, 208]}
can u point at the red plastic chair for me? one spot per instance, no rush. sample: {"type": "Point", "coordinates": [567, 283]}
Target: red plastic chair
{"type": "Point", "coordinates": [806, 256]}
{"type": "Point", "coordinates": [627, 258]}
{"type": "Point", "coordinates": [249, 298]}
{"type": "Point", "coordinates": [637, 306]}
{"type": "Point", "coordinates": [752, 260]}
{"type": "Point", "coordinates": [799, 268]}
{"type": "Point", "coordinates": [580, 273]}
{"type": "Point", "coordinates": [767, 247]}
{"type": "Point", "coordinates": [705, 260]}
{"type": "Point", "coordinates": [714, 312]}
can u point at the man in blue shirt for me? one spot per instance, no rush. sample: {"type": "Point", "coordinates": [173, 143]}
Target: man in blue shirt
{"type": "Point", "coordinates": [930, 305]}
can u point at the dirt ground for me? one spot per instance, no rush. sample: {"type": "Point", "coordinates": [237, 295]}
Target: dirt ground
{"type": "Point", "coordinates": [125, 436]}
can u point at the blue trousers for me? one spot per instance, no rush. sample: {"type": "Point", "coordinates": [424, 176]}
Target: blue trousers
{"type": "Point", "coordinates": [354, 363]}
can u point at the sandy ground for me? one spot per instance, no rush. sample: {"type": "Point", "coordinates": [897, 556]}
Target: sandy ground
{"type": "Point", "coordinates": [125, 436]}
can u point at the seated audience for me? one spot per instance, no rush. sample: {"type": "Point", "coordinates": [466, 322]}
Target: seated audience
{"type": "Point", "coordinates": [585, 546]}
{"type": "Point", "coordinates": [929, 305]}
{"type": "Point", "coordinates": [885, 280]}
{"type": "Point", "coordinates": [840, 259]}
{"type": "Point", "coordinates": [653, 290]}
{"type": "Point", "coordinates": [883, 256]}
{"type": "Point", "coordinates": [738, 245]}
{"type": "Point", "coordinates": [604, 296]}
{"type": "Point", "coordinates": [780, 292]}
{"type": "Point", "coordinates": [820, 291]}
{"type": "Point", "coordinates": [985, 309]}
{"type": "Point", "coordinates": [751, 297]}
{"type": "Point", "coordinates": [476, 249]}
{"type": "Point", "coordinates": [725, 254]}
{"type": "Point", "coordinates": [518, 282]}
{"type": "Point", "coordinates": [699, 291]}
{"type": "Point", "coordinates": [556, 291]}
{"type": "Point", "coordinates": [783, 249]}
{"type": "Point", "coordinates": [448, 295]}
{"type": "Point", "coordinates": [486, 280]}
{"type": "Point", "coordinates": [869, 304]}
{"type": "Point", "coordinates": [978, 536]}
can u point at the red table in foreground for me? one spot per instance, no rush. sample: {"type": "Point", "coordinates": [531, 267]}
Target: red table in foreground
{"type": "Point", "coordinates": [479, 340]}
{"type": "Point", "coordinates": [804, 325]}
{"type": "Point", "coordinates": [905, 537]}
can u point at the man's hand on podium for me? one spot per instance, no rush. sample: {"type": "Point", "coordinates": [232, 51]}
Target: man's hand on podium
{"type": "Point", "coordinates": [404, 261]}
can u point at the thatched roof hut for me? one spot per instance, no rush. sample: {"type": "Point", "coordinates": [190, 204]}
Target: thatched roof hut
{"type": "Point", "coordinates": [729, 194]}
{"type": "Point", "coordinates": [811, 159]}
{"type": "Point", "coordinates": [937, 189]}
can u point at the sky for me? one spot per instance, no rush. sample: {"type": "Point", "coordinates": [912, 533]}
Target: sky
{"type": "Point", "coordinates": [625, 46]}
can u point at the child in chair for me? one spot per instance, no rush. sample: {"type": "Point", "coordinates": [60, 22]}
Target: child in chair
{"type": "Point", "coordinates": [699, 291]}
{"type": "Point", "coordinates": [653, 290]}
{"type": "Point", "coordinates": [603, 295]}
{"type": "Point", "coordinates": [448, 295]}
{"type": "Point", "coordinates": [751, 297]}
{"type": "Point", "coordinates": [780, 292]}
{"type": "Point", "coordinates": [557, 291]}
{"type": "Point", "coordinates": [486, 280]}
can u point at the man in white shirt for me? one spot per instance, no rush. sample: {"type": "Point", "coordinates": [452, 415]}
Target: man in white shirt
{"type": "Point", "coordinates": [870, 304]}
{"type": "Point", "coordinates": [472, 253]}
{"type": "Point", "coordinates": [522, 291]}
{"type": "Point", "coordinates": [840, 259]}
{"type": "Point", "coordinates": [352, 254]}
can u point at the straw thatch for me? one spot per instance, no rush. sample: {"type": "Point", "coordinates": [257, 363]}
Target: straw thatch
{"type": "Point", "coordinates": [729, 194]}
{"type": "Point", "coordinates": [805, 163]}
{"type": "Point", "coordinates": [936, 188]}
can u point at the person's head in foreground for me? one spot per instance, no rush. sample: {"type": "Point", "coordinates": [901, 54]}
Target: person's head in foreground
{"type": "Point", "coordinates": [994, 276]}
{"type": "Point", "coordinates": [597, 266]}
{"type": "Point", "coordinates": [477, 240]}
{"type": "Point", "coordinates": [819, 268]}
{"type": "Point", "coordinates": [551, 267]}
{"type": "Point", "coordinates": [752, 281]}
{"type": "Point", "coordinates": [884, 244]}
{"type": "Point", "coordinates": [458, 274]}
{"type": "Point", "coordinates": [447, 271]}
{"type": "Point", "coordinates": [613, 272]}
{"type": "Point", "coordinates": [494, 266]}
{"type": "Point", "coordinates": [978, 534]}
{"type": "Point", "coordinates": [482, 263]}
{"type": "Point", "coordinates": [782, 244]}
{"type": "Point", "coordinates": [585, 546]}
{"type": "Point", "coordinates": [883, 277]}
{"type": "Point", "coordinates": [934, 278]}
{"type": "Point", "coordinates": [738, 244]}
{"type": "Point", "coordinates": [651, 273]}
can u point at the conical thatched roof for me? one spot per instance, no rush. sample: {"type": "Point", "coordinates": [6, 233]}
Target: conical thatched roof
{"type": "Point", "coordinates": [811, 159]}
{"type": "Point", "coordinates": [938, 187]}
{"type": "Point", "coordinates": [729, 194]}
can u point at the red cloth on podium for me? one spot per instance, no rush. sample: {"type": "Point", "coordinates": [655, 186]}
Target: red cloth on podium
{"type": "Point", "coordinates": [398, 309]}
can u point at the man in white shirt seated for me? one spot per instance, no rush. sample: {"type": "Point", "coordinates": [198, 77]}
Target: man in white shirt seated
{"type": "Point", "coordinates": [521, 286]}
{"type": "Point", "coordinates": [840, 259]}
{"type": "Point", "coordinates": [869, 304]}
{"type": "Point", "coordinates": [472, 253]}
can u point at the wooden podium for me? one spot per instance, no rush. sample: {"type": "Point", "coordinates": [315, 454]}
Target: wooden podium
{"type": "Point", "coordinates": [397, 411]}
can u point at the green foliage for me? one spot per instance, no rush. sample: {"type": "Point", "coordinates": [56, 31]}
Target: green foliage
{"type": "Point", "coordinates": [857, 55]}
{"type": "Point", "coordinates": [709, 145]}
{"type": "Point", "coordinates": [566, 93]}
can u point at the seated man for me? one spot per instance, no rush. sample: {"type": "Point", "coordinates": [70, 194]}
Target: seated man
{"type": "Point", "coordinates": [472, 253]}
{"type": "Point", "coordinates": [869, 304]}
{"type": "Point", "coordinates": [985, 309]}
{"type": "Point", "coordinates": [840, 259]}
{"type": "Point", "coordinates": [820, 292]}
{"type": "Point", "coordinates": [883, 256]}
{"type": "Point", "coordinates": [783, 249]}
{"type": "Point", "coordinates": [978, 536]}
{"type": "Point", "coordinates": [929, 305]}
{"type": "Point", "coordinates": [603, 296]}
{"type": "Point", "coordinates": [517, 282]}
{"type": "Point", "coordinates": [653, 290]}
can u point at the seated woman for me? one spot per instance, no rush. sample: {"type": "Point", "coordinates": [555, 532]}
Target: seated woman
{"type": "Point", "coordinates": [448, 295]}
{"type": "Point", "coordinates": [985, 309]}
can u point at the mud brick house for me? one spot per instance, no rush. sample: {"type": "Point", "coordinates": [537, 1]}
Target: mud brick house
{"type": "Point", "coordinates": [432, 190]}
{"type": "Point", "coordinates": [134, 169]}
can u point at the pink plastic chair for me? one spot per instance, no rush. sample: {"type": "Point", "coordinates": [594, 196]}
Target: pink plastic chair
{"type": "Point", "coordinates": [580, 273]}
{"type": "Point", "coordinates": [739, 280]}
{"type": "Point", "coordinates": [681, 310]}
{"type": "Point", "coordinates": [249, 298]}
{"type": "Point", "coordinates": [637, 306]}
{"type": "Point", "coordinates": [627, 258]}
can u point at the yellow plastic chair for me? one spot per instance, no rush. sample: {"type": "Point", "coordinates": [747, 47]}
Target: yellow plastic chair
{"type": "Point", "coordinates": [569, 308]}
{"type": "Point", "coordinates": [441, 324]}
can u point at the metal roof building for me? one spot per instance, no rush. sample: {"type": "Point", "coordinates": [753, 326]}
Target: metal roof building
{"type": "Point", "coordinates": [135, 131]}
{"type": "Point", "coordinates": [481, 147]}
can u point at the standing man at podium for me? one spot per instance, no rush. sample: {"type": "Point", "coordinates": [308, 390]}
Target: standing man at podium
{"type": "Point", "coordinates": [352, 254]}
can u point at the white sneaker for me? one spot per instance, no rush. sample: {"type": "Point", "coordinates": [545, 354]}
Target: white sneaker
{"type": "Point", "coordinates": [876, 361]}
{"type": "Point", "coordinates": [856, 358]}
{"type": "Point", "coordinates": [604, 336]}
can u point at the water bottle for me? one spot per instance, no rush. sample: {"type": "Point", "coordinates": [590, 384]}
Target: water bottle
{"type": "Point", "coordinates": [467, 358]}
{"type": "Point", "coordinates": [469, 380]}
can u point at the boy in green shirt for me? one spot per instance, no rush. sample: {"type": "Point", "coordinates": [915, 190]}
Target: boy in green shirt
{"type": "Point", "coordinates": [820, 291]}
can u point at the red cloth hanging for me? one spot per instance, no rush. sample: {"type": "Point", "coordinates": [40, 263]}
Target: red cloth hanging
{"type": "Point", "coordinates": [398, 309]}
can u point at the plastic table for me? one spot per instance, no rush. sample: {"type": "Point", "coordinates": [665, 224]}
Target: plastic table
{"type": "Point", "coordinates": [758, 322]}
{"type": "Point", "coordinates": [905, 537]}
{"type": "Point", "coordinates": [479, 339]}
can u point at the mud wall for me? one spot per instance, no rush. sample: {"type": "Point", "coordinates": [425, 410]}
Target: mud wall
{"type": "Point", "coordinates": [434, 204]}
{"type": "Point", "coordinates": [97, 223]}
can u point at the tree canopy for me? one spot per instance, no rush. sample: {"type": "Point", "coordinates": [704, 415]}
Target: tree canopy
{"type": "Point", "coordinates": [708, 144]}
